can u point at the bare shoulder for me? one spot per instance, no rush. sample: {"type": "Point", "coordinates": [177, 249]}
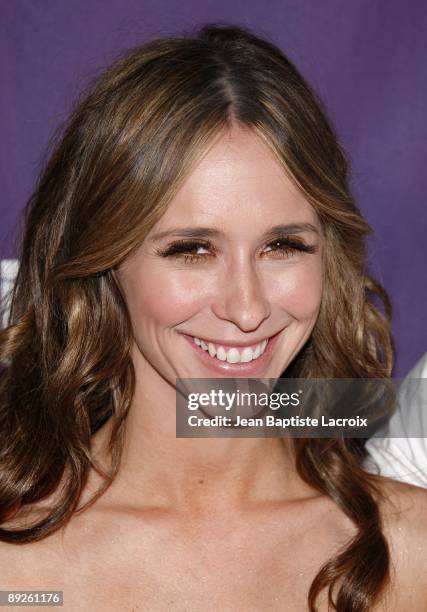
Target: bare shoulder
{"type": "Point", "coordinates": [28, 565]}
{"type": "Point", "coordinates": [18, 566]}
{"type": "Point", "coordinates": [20, 563]}
{"type": "Point", "coordinates": [404, 512]}
{"type": "Point", "coordinates": [404, 509]}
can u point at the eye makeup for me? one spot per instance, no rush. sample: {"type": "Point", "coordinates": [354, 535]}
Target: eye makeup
{"type": "Point", "coordinates": [282, 247]}
{"type": "Point", "coordinates": [185, 249]}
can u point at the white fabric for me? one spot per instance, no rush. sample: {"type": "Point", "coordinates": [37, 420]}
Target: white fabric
{"type": "Point", "coordinates": [405, 458]}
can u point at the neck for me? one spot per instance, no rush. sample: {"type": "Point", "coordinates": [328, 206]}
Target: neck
{"type": "Point", "coordinates": [194, 474]}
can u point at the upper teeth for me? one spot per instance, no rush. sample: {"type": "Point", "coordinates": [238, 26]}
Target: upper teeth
{"type": "Point", "coordinates": [232, 354]}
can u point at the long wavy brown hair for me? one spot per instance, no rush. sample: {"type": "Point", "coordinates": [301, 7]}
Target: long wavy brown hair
{"type": "Point", "coordinates": [65, 353]}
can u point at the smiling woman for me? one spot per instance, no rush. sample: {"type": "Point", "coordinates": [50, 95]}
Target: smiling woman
{"type": "Point", "coordinates": [194, 221]}
{"type": "Point", "coordinates": [232, 280]}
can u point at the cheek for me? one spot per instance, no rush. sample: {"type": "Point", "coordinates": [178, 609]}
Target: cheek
{"type": "Point", "coordinates": [299, 292]}
{"type": "Point", "coordinates": [159, 297]}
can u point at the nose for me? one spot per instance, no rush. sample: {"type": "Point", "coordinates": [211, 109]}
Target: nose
{"type": "Point", "coordinates": [241, 297]}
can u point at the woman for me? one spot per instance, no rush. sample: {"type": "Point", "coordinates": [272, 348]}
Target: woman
{"type": "Point", "coordinates": [194, 221]}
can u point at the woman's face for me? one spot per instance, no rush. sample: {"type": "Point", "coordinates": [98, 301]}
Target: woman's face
{"type": "Point", "coordinates": [229, 281]}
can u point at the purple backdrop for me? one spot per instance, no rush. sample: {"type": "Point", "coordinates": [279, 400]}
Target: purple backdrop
{"type": "Point", "coordinates": [366, 59]}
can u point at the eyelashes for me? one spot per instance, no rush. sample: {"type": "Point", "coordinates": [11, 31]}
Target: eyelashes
{"type": "Point", "coordinates": [279, 248]}
{"type": "Point", "coordinates": [183, 248]}
{"type": "Point", "coordinates": [289, 245]}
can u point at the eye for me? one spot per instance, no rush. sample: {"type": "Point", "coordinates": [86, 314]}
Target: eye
{"type": "Point", "coordinates": [288, 246]}
{"type": "Point", "coordinates": [188, 251]}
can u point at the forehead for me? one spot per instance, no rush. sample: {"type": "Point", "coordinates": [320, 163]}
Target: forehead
{"type": "Point", "coordinates": [239, 182]}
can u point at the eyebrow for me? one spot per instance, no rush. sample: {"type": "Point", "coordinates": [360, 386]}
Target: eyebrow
{"type": "Point", "coordinates": [210, 232]}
